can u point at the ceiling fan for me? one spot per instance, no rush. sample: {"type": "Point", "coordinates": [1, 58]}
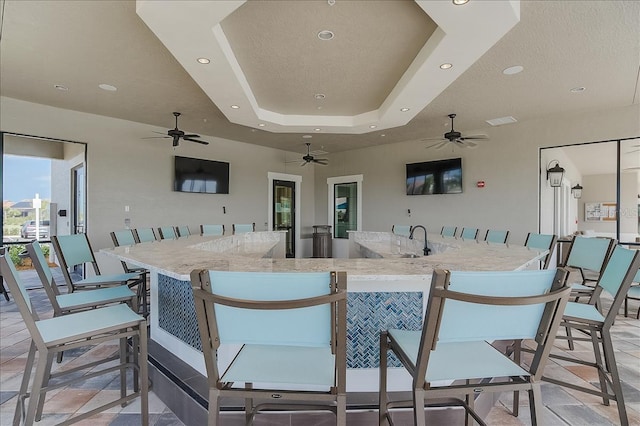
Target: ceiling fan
{"type": "Point", "coordinates": [456, 138]}
{"type": "Point", "coordinates": [311, 159]}
{"type": "Point", "coordinates": [177, 134]}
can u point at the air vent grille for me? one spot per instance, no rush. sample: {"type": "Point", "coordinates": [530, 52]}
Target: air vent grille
{"type": "Point", "coordinates": [502, 120]}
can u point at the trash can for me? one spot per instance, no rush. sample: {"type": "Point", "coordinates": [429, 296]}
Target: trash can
{"type": "Point", "coordinates": [322, 241]}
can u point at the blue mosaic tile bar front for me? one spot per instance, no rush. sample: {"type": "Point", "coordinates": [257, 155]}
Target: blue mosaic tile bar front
{"type": "Point", "coordinates": [367, 314]}
{"type": "Point", "coordinates": [176, 310]}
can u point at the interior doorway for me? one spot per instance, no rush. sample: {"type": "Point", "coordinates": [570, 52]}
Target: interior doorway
{"type": "Point", "coordinates": [292, 183]}
{"type": "Point", "coordinates": [284, 217]}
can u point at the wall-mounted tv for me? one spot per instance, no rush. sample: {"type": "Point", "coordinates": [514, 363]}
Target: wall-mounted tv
{"type": "Point", "coordinates": [435, 177]}
{"type": "Point", "coordinates": [198, 175]}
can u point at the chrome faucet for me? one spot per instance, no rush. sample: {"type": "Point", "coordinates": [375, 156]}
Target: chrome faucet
{"type": "Point", "coordinates": [426, 249]}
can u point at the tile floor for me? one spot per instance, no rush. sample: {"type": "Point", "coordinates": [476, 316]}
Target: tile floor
{"type": "Point", "coordinates": [561, 406]}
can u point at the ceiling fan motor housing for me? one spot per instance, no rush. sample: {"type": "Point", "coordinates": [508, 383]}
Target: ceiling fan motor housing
{"type": "Point", "coordinates": [452, 135]}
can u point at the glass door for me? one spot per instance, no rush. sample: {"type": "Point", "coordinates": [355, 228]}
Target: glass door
{"type": "Point", "coordinates": [284, 218]}
{"type": "Point", "coordinates": [345, 217]}
{"type": "Point", "coordinates": [78, 200]}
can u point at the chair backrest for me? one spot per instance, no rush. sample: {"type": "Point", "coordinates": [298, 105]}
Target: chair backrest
{"type": "Point", "coordinates": [19, 292]}
{"type": "Point", "coordinates": [167, 233]}
{"type": "Point", "coordinates": [495, 305]}
{"type": "Point", "coordinates": [211, 230]}
{"type": "Point", "coordinates": [496, 322]}
{"type": "Point", "coordinates": [404, 230]}
{"type": "Point", "coordinates": [290, 308]}
{"type": "Point", "coordinates": [73, 250]}
{"type": "Point", "coordinates": [449, 231]}
{"type": "Point", "coordinates": [542, 242]}
{"type": "Point", "coordinates": [124, 237]}
{"type": "Point", "coordinates": [145, 235]}
{"type": "Point", "coordinates": [303, 327]}
{"type": "Point", "coordinates": [183, 231]}
{"type": "Point", "coordinates": [469, 233]}
{"type": "Point", "coordinates": [496, 236]}
{"type": "Point", "coordinates": [619, 273]}
{"type": "Point", "coordinates": [589, 253]}
{"type": "Point", "coordinates": [44, 273]}
{"type": "Point", "coordinates": [241, 228]}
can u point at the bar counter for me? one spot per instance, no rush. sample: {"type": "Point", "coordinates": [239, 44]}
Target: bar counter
{"type": "Point", "coordinates": [387, 283]}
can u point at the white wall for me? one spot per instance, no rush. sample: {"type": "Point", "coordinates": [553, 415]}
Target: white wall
{"type": "Point", "coordinates": [507, 163]}
{"type": "Point", "coordinates": [124, 169]}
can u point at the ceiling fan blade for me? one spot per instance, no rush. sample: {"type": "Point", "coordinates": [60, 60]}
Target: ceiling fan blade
{"type": "Point", "coordinates": [321, 161]}
{"type": "Point", "coordinates": [477, 137]}
{"type": "Point", "coordinates": [304, 163]}
{"type": "Point", "coordinates": [157, 137]}
{"type": "Point", "coordinates": [195, 140]}
{"type": "Point", "coordinates": [434, 139]}
{"type": "Point", "coordinates": [467, 143]}
{"type": "Point", "coordinates": [439, 145]}
{"type": "Point", "coordinates": [190, 136]}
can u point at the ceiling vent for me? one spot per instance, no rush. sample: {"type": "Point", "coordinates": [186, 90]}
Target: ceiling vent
{"type": "Point", "coordinates": [502, 120]}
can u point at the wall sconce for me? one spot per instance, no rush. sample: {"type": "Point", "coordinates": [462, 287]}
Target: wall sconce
{"type": "Point", "coordinates": [576, 191]}
{"type": "Point", "coordinates": [554, 174]}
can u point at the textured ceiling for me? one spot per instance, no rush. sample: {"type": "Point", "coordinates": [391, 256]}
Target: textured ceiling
{"type": "Point", "coordinates": [309, 66]}
{"type": "Point", "coordinates": [80, 44]}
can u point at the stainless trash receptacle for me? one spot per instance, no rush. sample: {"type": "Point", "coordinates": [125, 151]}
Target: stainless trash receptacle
{"type": "Point", "coordinates": [322, 241]}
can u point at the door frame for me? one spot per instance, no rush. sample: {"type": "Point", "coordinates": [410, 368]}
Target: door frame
{"type": "Point", "coordinates": [271, 176]}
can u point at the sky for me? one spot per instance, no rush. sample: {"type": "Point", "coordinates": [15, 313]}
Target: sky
{"type": "Point", "coordinates": [23, 177]}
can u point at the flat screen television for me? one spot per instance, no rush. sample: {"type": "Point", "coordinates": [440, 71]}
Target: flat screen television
{"type": "Point", "coordinates": [198, 175]}
{"type": "Point", "coordinates": [435, 177]}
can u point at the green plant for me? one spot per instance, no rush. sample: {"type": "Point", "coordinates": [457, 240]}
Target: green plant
{"type": "Point", "coordinates": [14, 253]}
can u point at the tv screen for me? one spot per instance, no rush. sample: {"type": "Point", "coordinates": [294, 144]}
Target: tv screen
{"type": "Point", "coordinates": [435, 177]}
{"type": "Point", "coordinates": [204, 176]}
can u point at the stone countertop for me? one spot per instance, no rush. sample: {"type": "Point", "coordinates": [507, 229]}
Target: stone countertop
{"type": "Point", "coordinates": [177, 258]}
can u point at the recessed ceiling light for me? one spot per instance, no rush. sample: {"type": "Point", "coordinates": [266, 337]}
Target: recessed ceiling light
{"type": "Point", "coordinates": [318, 107]}
{"type": "Point", "coordinates": [235, 107]}
{"type": "Point", "coordinates": [325, 35]}
{"type": "Point", "coordinates": [61, 87]}
{"type": "Point", "coordinates": [404, 109]}
{"type": "Point", "coordinates": [382, 135]}
{"type": "Point", "coordinates": [512, 70]}
{"type": "Point", "coordinates": [446, 66]}
{"type": "Point", "coordinates": [319, 96]}
{"type": "Point", "coordinates": [460, 2]}
{"type": "Point", "coordinates": [261, 125]}
{"type": "Point", "coordinates": [578, 89]}
{"type": "Point", "coordinates": [107, 87]}
{"type": "Point", "coordinates": [373, 126]}
{"type": "Point", "coordinates": [203, 61]}
{"type": "Point", "coordinates": [306, 136]}
{"type": "Point", "coordinates": [317, 129]}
